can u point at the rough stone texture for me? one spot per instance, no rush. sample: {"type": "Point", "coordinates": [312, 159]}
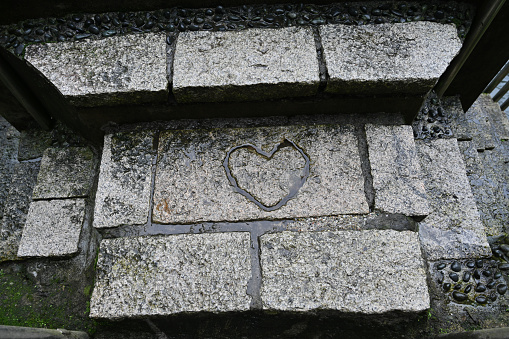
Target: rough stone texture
{"type": "Point", "coordinates": [253, 64]}
{"type": "Point", "coordinates": [453, 229]}
{"type": "Point", "coordinates": [65, 173]}
{"type": "Point", "coordinates": [16, 208]}
{"type": "Point", "coordinates": [33, 143]}
{"type": "Point", "coordinates": [52, 228]}
{"type": "Point", "coordinates": [9, 139]}
{"type": "Point", "coordinates": [496, 169]}
{"type": "Point", "coordinates": [461, 127]}
{"type": "Point", "coordinates": [144, 276]}
{"type": "Point", "coordinates": [482, 188]}
{"type": "Point", "coordinates": [478, 121]}
{"type": "Point", "coordinates": [123, 192]}
{"type": "Point", "coordinates": [496, 116]}
{"type": "Point", "coordinates": [192, 185]}
{"type": "Point", "coordinates": [387, 58]}
{"type": "Point", "coordinates": [349, 271]}
{"type": "Point", "coordinates": [397, 177]}
{"type": "Point", "coordinates": [119, 70]}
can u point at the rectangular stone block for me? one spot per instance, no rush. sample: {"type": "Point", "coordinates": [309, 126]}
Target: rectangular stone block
{"type": "Point", "coordinates": [388, 58]}
{"type": "Point", "coordinates": [366, 272]}
{"type": "Point", "coordinates": [124, 69]}
{"type": "Point", "coordinates": [65, 173]}
{"type": "Point", "coordinates": [123, 192]}
{"type": "Point", "coordinates": [157, 276]}
{"type": "Point", "coordinates": [397, 177]}
{"type": "Point", "coordinates": [16, 207]}
{"type": "Point", "coordinates": [52, 228]}
{"type": "Point", "coordinates": [253, 64]}
{"type": "Point", "coordinates": [453, 229]}
{"type": "Point", "coordinates": [258, 173]}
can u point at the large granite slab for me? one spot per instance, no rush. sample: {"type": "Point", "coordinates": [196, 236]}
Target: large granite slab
{"type": "Point", "coordinates": [246, 65]}
{"type": "Point", "coordinates": [156, 276]}
{"type": "Point", "coordinates": [124, 69]}
{"type": "Point", "coordinates": [258, 173]}
{"type": "Point", "coordinates": [16, 207]}
{"type": "Point", "coordinates": [397, 176]}
{"type": "Point", "coordinates": [65, 173]}
{"type": "Point", "coordinates": [52, 228]}
{"type": "Point", "coordinates": [453, 229]}
{"type": "Point", "coordinates": [366, 272]}
{"type": "Point", "coordinates": [388, 58]}
{"type": "Point", "coordinates": [123, 192]}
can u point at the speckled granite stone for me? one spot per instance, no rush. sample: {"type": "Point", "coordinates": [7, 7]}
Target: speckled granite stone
{"type": "Point", "coordinates": [252, 64]}
{"type": "Point", "coordinates": [192, 184]}
{"type": "Point", "coordinates": [65, 173]}
{"type": "Point", "coordinates": [124, 69]}
{"type": "Point", "coordinates": [397, 176]}
{"type": "Point", "coordinates": [163, 275]}
{"type": "Point", "coordinates": [123, 192]}
{"type": "Point", "coordinates": [387, 58]}
{"type": "Point", "coordinates": [453, 229]}
{"type": "Point", "coordinates": [366, 272]}
{"type": "Point", "coordinates": [52, 228]}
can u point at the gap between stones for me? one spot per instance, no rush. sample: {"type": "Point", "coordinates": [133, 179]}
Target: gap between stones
{"type": "Point", "coordinates": [322, 65]}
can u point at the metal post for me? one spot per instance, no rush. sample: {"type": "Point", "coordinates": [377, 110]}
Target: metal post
{"type": "Point", "coordinates": [496, 80]}
{"type": "Point", "coordinates": [501, 93]}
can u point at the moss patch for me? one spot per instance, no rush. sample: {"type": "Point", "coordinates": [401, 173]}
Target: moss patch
{"type": "Point", "coordinates": [59, 304]}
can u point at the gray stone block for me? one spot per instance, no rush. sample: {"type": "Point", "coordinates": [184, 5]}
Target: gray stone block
{"type": "Point", "coordinates": [253, 64]}
{"type": "Point", "coordinates": [157, 276]}
{"type": "Point", "coordinates": [16, 208]}
{"type": "Point", "coordinates": [124, 69]}
{"type": "Point", "coordinates": [366, 272]}
{"type": "Point", "coordinates": [497, 117]}
{"type": "Point", "coordinates": [497, 174]}
{"type": "Point", "coordinates": [33, 143]}
{"type": "Point", "coordinates": [478, 121]}
{"type": "Point", "coordinates": [460, 126]}
{"type": "Point", "coordinates": [65, 173]}
{"type": "Point", "coordinates": [52, 228]}
{"type": "Point", "coordinates": [482, 188]}
{"type": "Point", "coordinates": [123, 192]}
{"type": "Point", "coordinates": [387, 58]}
{"type": "Point", "coordinates": [453, 229]}
{"type": "Point", "coordinates": [257, 173]}
{"type": "Point", "coordinates": [397, 176]}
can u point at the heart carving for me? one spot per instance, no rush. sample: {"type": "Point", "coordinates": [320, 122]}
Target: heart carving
{"type": "Point", "coordinates": [268, 179]}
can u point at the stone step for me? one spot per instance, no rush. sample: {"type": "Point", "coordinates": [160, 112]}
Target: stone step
{"type": "Point", "coordinates": [360, 272]}
{"type": "Point", "coordinates": [250, 65]}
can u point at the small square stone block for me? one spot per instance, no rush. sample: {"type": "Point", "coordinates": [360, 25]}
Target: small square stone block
{"type": "Point", "coordinates": [65, 173]}
{"type": "Point", "coordinates": [52, 228]}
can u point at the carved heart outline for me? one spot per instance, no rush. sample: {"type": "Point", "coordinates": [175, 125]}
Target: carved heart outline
{"type": "Point", "coordinates": [268, 156]}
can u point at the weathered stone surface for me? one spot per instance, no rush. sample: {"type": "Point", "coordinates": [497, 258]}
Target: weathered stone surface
{"type": "Point", "coordinates": [453, 229]}
{"type": "Point", "coordinates": [31, 332]}
{"type": "Point", "coordinates": [123, 192]}
{"type": "Point", "coordinates": [33, 143]}
{"type": "Point", "coordinates": [482, 188]}
{"type": "Point", "coordinates": [397, 177]}
{"type": "Point", "coordinates": [481, 127]}
{"type": "Point", "coordinates": [65, 173]}
{"type": "Point", "coordinates": [163, 275]}
{"type": "Point", "coordinates": [387, 58]}
{"type": "Point", "coordinates": [460, 125]}
{"type": "Point", "coordinates": [497, 117]}
{"type": "Point", "coordinates": [349, 271]}
{"type": "Point", "coordinates": [496, 169]}
{"type": "Point", "coordinates": [16, 208]}
{"type": "Point", "coordinates": [9, 140]}
{"type": "Point", "coordinates": [192, 179]}
{"type": "Point", "coordinates": [253, 64]}
{"type": "Point", "coordinates": [119, 70]}
{"type": "Point", "coordinates": [52, 228]}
